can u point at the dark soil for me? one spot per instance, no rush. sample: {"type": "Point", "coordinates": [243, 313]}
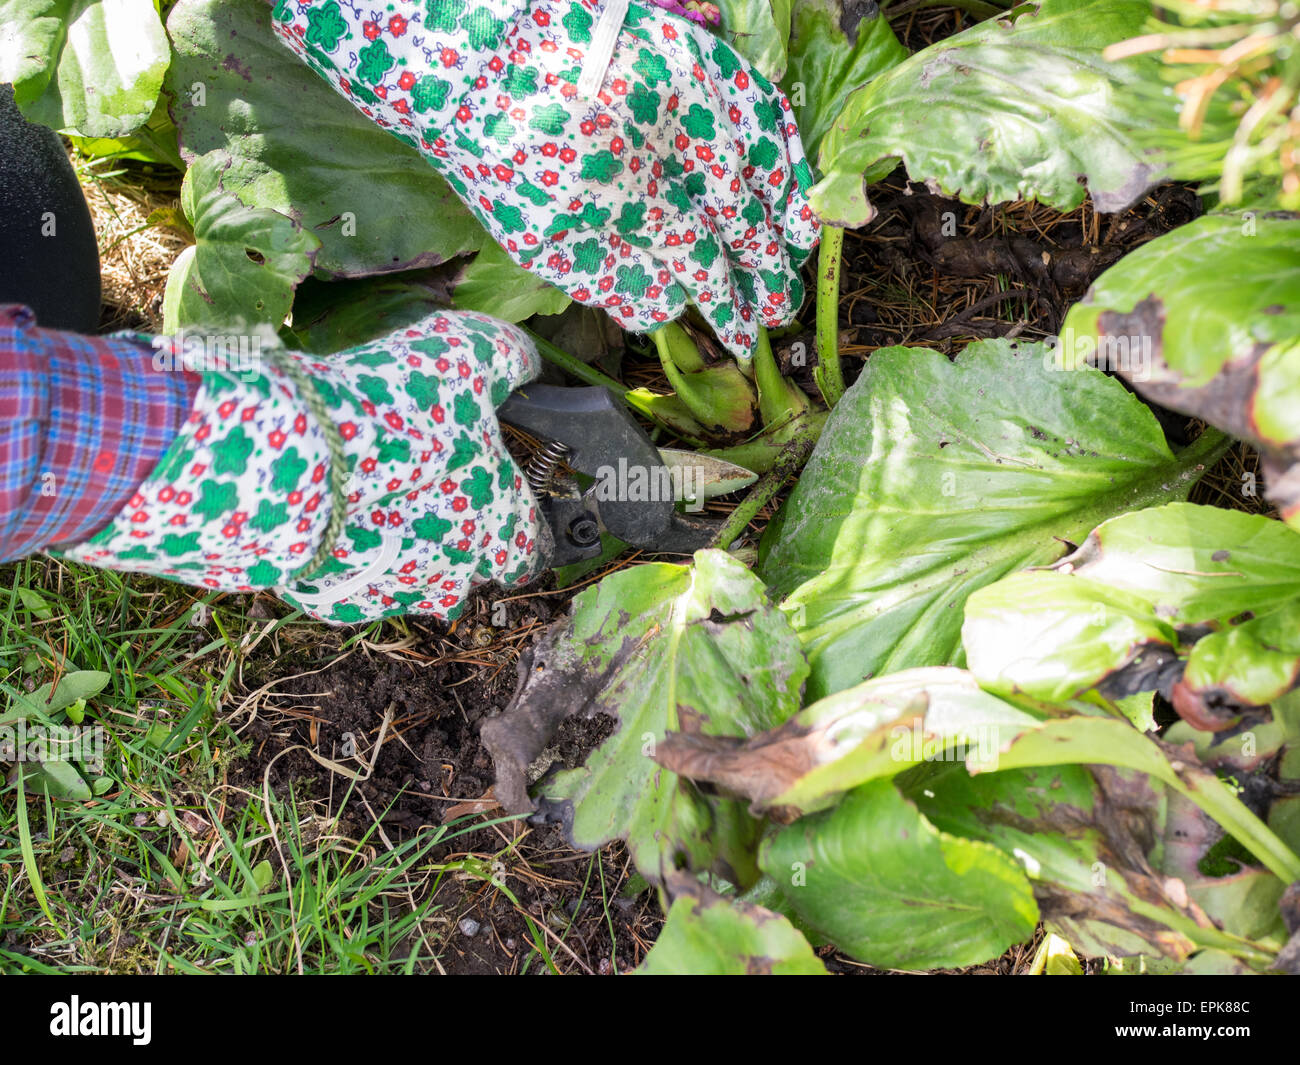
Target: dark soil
{"type": "Point", "coordinates": [431, 761]}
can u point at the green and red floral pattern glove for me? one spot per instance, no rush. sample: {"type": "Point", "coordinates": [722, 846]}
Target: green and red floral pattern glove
{"type": "Point", "coordinates": [681, 178]}
{"type": "Point", "coordinates": [433, 504]}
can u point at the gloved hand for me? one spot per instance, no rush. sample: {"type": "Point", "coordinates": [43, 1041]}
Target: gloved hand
{"type": "Point", "coordinates": [432, 503]}
{"type": "Point", "coordinates": [680, 178]}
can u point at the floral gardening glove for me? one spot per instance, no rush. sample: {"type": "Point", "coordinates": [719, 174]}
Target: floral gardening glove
{"type": "Point", "coordinates": [682, 177]}
{"type": "Point", "coordinates": [433, 504]}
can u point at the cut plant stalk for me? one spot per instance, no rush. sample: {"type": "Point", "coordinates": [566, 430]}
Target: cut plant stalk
{"type": "Point", "coordinates": [766, 450]}
{"type": "Point", "coordinates": [795, 455]}
{"type": "Point", "coordinates": [827, 373]}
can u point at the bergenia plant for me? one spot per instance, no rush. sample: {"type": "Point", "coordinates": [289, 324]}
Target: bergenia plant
{"type": "Point", "coordinates": [934, 713]}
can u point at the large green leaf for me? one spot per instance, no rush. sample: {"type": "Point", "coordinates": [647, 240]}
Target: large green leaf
{"type": "Point", "coordinates": [1148, 595]}
{"type": "Point", "coordinates": [1002, 111]}
{"type": "Point", "coordinates": [707, 935]}
{"type": "Point", "coordinates": [933, 478]}
{"type": "Point", "coordinates": [246, 263]}
{"type": "Point", "coordinates": [301, 149]}
{"type": "Point", "coordinates": [90, 67]}
{"type": "Point", "coordinates": [759, 30]}
{"type": "Point", "coordinates": [835, 49]}
{"type": "Point", "coordinates": [494, 284]}
{"type": "Point", "coordinates": [874, 730]}
{"type": "Point", "coordinates": [32, 33]}
{"type": "Point", "coordinates": [1216, 305]}
{"type": "Point", "coordinates": [691, 648]}
{"type": "Point", "coordinates": [887, 887]}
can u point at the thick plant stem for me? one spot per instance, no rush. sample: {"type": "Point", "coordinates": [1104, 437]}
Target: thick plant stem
{"type": "Point", "coordinates": [673, 374]}
{"type": "Point", "coordinates": [1205, 450]}
{"type": "Point", "coordinates": [827, 374]}
{"type": "Point", "coordinates": [679, 346]}
{"type": "Point", "coordinates": [779, 398]}
{"type": "Point", "coordinates": [575, 366]}
{"type": "Point", "coordinates": [763, 490]}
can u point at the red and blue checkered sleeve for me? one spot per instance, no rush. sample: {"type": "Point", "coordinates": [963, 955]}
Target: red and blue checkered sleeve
{"type": "Point", "coordinates": [83, 422]}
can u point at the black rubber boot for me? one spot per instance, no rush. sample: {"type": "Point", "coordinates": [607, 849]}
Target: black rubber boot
{"type": "Point", "coordinates": [48, 256]}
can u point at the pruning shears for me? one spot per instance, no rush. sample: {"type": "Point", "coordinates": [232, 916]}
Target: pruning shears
{"type": "Point", "coordinates": [586, 430]}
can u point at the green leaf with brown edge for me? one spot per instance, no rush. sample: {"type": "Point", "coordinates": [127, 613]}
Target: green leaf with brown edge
{"type": "Point", "coordinates": [245, 263]}
{"type": "Point", "coordinates": [301, 149]}
{"type": "Point", "coordinates": [1214, 306]}
{"type": "Point", "coordinates": [494, 284]}
{"type": "Point", "coordinates": [1109, 741]}
{"type": "Point", "coordinates": [835, 49]}
{"type": "Point", "coordinates": [875, 730]}
{"type": "Point", "coordinates": [1252, 664]}
{"type": "Point", "coordinates": [881, 882]}
{"type": "Point", "coordinates": [1088, 842]}
{"type": "Point", "coordinates": [85, 67]}
{"type": "Point", "coordinates": [1264, 765]}
{"type": "Point", "coordinates": [1001, 111]}
{"type": "Point", "coordinates": [657, 647]}
{"type": "Point", "coordinates": [1145, 595]}
{"type": "Point", "coordinates": [720, 397]}
{"type": "Point", "coordinates": [708, 935]}
{"type": "Point", "coordinates": [1072, 634]}
{"type": "Point", "coordinates": [933, 478]}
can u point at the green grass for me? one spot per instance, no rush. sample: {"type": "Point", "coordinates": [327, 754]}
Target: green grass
{"type": "Point", "coordinates": [173, 868]}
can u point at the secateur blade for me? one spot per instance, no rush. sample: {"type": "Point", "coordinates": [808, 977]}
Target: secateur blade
{"type": "Point", "coordinates": [603, 441]}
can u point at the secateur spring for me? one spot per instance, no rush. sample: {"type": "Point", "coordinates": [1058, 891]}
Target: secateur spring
{"type": "Point", "coordinates": [540, 470]}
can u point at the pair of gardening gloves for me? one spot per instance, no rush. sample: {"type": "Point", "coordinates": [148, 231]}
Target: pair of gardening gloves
{"type": "Point", "coordinates": [625, 154]}
{"type": "Point", "coordinates": [629, 157]}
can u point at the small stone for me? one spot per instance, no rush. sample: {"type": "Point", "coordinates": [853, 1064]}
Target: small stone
{"type": "Point", "coordinates": [469, 927]}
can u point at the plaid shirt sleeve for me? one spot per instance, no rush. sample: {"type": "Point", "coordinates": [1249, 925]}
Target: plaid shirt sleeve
{"type": "Point", "coordinates": [83, 422]}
